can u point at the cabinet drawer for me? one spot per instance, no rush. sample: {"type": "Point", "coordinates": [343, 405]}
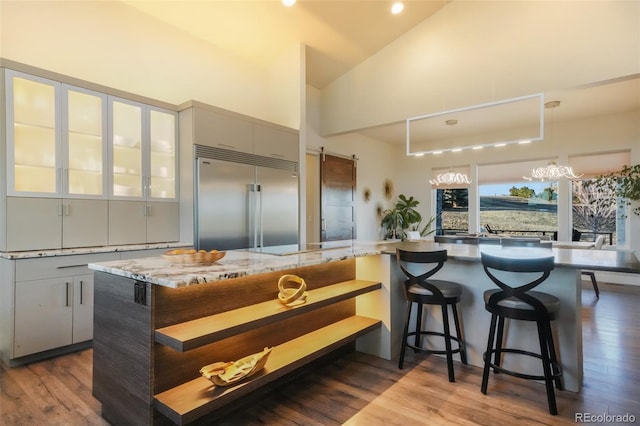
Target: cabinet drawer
{"type": "Point", "coordinates": [59, 266]}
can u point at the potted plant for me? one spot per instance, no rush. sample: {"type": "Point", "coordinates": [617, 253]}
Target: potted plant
{"type": "Point", "coordinates": [624, 184]}
{"type": "Point", "coordinates": [403, 217]}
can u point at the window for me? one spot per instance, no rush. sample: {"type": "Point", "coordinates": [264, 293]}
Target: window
{"type": "Point", "coordinates": [595, 212]}
{"type": "Point", "coordinates": [513, 205]}
{"type": "Point", "coordinates": [452, 210]}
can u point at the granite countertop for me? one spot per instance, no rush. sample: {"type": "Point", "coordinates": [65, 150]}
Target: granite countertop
{"type": "Point", "coordinates": [12, 255]}
{"type": "Point", "coordinates": [576, 258]}
{"type": "Point", "coordinates": [236, 263]}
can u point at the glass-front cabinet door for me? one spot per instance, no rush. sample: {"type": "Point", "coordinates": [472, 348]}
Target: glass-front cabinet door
{"type": "Point", "coordinates": [162, 155]}
{"type": "Point", "coordinates": [33, 135]}
{"type": "Point", "coordinates": [126, 146]}
{"type": "Point", "coordinates": [85, 150]}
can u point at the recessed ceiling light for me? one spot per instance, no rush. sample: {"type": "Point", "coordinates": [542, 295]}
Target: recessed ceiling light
{"type": "Point", "coordinates": [437, 152]}
{"type": "Point", "coordinates": [498, 145]}
{"type": "Point", "coordinates": [397, 7]}
{"type": "Point", "coordinates": [456, 150]}
{"type": "Point", "coordinates": [288, 3]}
{"type": "Point", "coordinates": [524, 142]}
{"type": "Point", "coordinates": [477, 147]}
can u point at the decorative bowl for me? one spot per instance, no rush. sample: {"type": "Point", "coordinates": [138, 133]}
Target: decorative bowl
{"type": "Point", "coordinates": [193, 257]}
{"type": "Point", "coordinates": [228, 373]}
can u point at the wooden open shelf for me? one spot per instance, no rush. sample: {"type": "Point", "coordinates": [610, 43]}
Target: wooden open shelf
{"type": "Point", "coordinates": [196, 398]}
{"type": "Point", "coordinates": [202, 331]}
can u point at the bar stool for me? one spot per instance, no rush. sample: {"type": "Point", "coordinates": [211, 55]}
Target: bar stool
{"type": "Point", "coordinates": [519, 303]}
{"type": "Point", "coordinates": [421, 290]}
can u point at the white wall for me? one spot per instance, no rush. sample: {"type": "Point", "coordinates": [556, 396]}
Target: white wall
{"type": "Point", "coordinates": [472, 52]}
{"type": "Point", "coordinates": [115, 45]}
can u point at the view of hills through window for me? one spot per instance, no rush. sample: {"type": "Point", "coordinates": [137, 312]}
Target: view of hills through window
{"type": "Point", "coordinates": [531, 209]}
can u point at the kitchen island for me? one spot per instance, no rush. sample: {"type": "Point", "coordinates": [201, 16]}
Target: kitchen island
{"type": "Point", "coordinates": [157, 323]}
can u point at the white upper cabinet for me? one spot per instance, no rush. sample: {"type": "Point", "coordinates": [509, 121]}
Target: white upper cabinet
{"type": "Point", "coordinates": [126, 148]}
{"type": "Point", "coordinates": [270, 141]}
{"type": "Point", "coordinates": [33, 135]}
{"type": "Point", "coordinates": [218, 130]}
{"type": "Point", "coordinates": [56, 137]}
{"type": "Point", "coordinates": [162, 181]}
{"type": "Point", "coordinates": [143, 151]}
{"type": "Point", "coordinates": [84, 148]}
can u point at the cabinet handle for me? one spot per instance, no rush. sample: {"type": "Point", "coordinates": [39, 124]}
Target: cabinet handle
{"type": "Point", "coordinates": [60, 210]}
{"type": "Point", "coordinates": [81, 290]}
{"type": "Point", "coordinates": [67, 295]}
{"type": "Point", "coordinates": [148, 210]}
{"type": "Point", "coordinates": [67, 209]}
{"type": "Point", "coordinates": [71, 266]}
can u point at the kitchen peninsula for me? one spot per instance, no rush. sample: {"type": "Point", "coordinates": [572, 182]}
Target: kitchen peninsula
{"type": "Point", "coordinates": [157, 323]}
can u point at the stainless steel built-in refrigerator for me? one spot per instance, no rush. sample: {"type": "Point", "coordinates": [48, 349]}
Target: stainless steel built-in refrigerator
{"type": "Point", "coordinates": [244, 200]}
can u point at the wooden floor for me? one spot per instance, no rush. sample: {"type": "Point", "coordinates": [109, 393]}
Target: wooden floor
{"type": "Point", "coordinates": [358, 389]}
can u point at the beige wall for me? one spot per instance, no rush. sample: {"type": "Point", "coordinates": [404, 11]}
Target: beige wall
{"type": "Point", "coordinates": [112, 44]}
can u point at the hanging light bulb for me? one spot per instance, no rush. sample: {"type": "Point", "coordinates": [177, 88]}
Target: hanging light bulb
{"type": "Point", "coordinates": [288, 3]}
{"type": "Point", "coordinates": [552, 171]}
{"type": "Point", "coordinates": [450, 178]}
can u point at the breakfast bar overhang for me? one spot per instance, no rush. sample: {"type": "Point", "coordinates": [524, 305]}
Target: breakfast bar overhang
{"type": "Point", "coordinates": [157, 323]}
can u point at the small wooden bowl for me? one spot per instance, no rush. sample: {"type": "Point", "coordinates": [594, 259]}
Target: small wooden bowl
{"type": "Point", "coordinates": [215, 372]}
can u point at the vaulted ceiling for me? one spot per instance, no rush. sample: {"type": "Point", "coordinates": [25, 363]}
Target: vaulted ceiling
{"type": "Point", "coordinates": [338, 35]}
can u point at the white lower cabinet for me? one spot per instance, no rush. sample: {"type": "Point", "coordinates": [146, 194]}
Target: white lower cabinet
{"type": "Point", "coordinates": [47, 303]}
{"type": "Point", "coordinates": [48, 316]}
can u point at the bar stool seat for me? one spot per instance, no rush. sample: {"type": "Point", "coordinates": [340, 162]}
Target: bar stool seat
{"type": "Point", "coordinates": [516, 301]}
{"type": "Point", "coordinates": [550, 302]}
{"type": "Point", "coordinates": [421, 290]}
{"type": "Point", "coordinates": [448, 289]}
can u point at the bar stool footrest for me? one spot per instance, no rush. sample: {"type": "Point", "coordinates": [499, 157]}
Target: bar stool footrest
{"type": "Point", "coordinates": [557, 367]}
{"type": "Point", "coordinates": [457, 350]}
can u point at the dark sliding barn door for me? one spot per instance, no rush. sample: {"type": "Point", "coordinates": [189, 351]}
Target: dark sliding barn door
{"type": "Point", "coordinates": [337, 194]}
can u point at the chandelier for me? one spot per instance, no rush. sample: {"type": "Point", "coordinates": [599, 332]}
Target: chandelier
{"type": "Point", "coordinates": [552, 172]}
{"type": "Point", "coordinates": [450, 178]}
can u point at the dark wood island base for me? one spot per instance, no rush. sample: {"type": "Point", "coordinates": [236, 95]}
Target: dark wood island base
{"type": "Point", "coordinates": [150, 340]}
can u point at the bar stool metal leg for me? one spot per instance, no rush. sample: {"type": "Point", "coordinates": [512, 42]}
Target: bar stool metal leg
{"type": "Point", "coordinates": [447, 342]}
{"type": "Point", "coordinates": [405, 334]}
{"type": "Point", "coordinates": [546, 367]}
{"type": "Point", "coordinates": [456, 320]}
{"type": "Point", "coordinates": [487, 354]}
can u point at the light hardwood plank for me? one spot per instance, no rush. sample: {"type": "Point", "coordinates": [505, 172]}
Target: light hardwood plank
{"type": "Point", "coordinates": [358, 389]}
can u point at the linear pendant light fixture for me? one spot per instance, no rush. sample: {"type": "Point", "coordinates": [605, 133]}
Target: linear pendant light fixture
{"type": "Point", "coordinates": [491, 129]}
{"type": "Point", "coordinates": [551, 171]}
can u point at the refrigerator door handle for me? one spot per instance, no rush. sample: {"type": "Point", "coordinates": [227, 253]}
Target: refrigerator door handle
{"type": "Point", "coordinates": [251, 201]}
{"type": "Point", "coordinates": [260, 217]}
